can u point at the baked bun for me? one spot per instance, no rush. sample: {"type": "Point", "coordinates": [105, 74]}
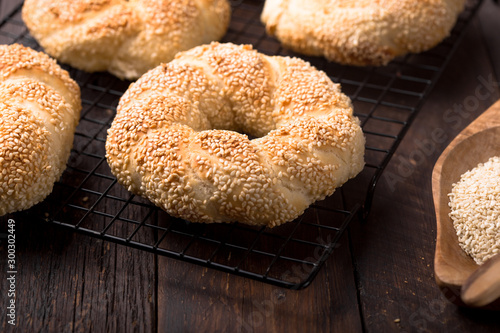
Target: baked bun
{"type": "Point", "coordinates": [123, 37]}
{"type": "Point", "coordinates": [363, 32]}
{"type": "Point", "coordinates": [176, 138]}
{"type": "Point", "coordinates": [39, 110]}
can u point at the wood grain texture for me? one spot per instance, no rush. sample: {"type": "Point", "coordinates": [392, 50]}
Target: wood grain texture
{"type": "Point", "coordinates": [67, 282]}
{"type": "Point", "coordinates": [482, 287]}
{"type": "Point", "coordinates": [394, 250]}
{"type": "Point", "coordinates": [6, 7]}
{"type": "Point", "coordinates": [220, 302]}
{"type": "Point", "coordinates": [380, 279]}
{"type": "Point", "coordinates": [490, 25]}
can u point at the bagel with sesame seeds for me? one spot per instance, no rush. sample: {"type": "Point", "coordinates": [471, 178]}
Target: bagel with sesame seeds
{"type": "Point", "coordinates": [123, 37]}
{"type": "Point", "coordinates": [39, 110]}
{"type": "Point", "coordinates": [362, 32]}
{"type": "Point", "coordinates": [181, 136]}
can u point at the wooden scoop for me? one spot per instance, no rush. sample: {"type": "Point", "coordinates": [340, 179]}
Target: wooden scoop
{"type": "Point", "coordinates": [453, 268]}
{"type": "Point", "coordinates": [483, 286]}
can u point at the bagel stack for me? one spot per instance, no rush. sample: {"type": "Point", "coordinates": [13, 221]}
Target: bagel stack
{"type": "Point", "coordinates": [39, 110]}
{"type": "Point", "coordinates": [363, 32]}
{"type": "Point", "coordinates": [178, 140]}
{"type": "Point", "coordinates": [124, 37]}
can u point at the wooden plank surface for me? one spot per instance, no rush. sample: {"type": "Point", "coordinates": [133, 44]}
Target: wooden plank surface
{"type": "Point", "coordinates": [395, 249]}
{"type": "Point", "coordinates": [379, 279]}
{"type": "Point", "coordinates": [220, 302]}
{"type": "Point", "coordinates": [6, 7]}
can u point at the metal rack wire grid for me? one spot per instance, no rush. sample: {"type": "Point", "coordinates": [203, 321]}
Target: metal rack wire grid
{"type": "Point", "coordinates": [89, 200]}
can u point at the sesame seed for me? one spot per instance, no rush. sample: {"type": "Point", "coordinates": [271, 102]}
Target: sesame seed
{"type": "Point", "coordinates": [39, 108]}
{"type": "Point", "coordinates": [475, 210]}
{"type": "Point", "coordinates": [196, 115]}
{"type": "Point", "coordinates": [126, 38]}
{"type": "Point", "coordinates": [360, 32]}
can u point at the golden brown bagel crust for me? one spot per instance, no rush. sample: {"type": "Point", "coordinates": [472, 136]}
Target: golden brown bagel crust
{"type": "Point", "coordinates": [39, 110]}
{"type": "Point", "coordinates": [174, 137]}
{"type": "Point", "coordinates": [360, 32]}
{"type": "Point", "coordinates": [123, 37]}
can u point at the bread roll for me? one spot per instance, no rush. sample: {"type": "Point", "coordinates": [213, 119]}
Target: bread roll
{"type": "Point", "coordinates": [39, 110]}
{"type": "Point", "coordinates": [124, 37]}
{"type": "Point", "coordinates": [363, 32]}
{"type": "Point", "coordinates": [177, 136]}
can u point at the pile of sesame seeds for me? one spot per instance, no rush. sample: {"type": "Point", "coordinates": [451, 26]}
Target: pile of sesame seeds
{"type": "Point", "coordinates": [475, 210]}
{"type": "Point", "coordinates": [180, 136]}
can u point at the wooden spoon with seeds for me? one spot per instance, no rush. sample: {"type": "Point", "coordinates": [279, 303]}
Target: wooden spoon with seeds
{"type": "Point", "coordinates": [454, 269]}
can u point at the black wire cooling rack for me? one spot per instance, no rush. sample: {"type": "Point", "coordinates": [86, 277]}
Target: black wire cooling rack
{"type": "Point", "coordinates": [89, 200]}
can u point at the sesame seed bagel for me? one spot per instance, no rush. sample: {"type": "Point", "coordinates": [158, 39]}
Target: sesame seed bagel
{"type": "Point", "coordinates": [361, 32]}
{"type": "Point", "coordinates": [124, 37]}
{"type": "Point", "coordinates": [39, 110]}
{"type": "Point", "coordinates": [178, 140]}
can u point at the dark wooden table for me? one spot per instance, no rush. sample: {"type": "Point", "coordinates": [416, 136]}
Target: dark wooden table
{"type": "Point", "coordinates": [380, 278]}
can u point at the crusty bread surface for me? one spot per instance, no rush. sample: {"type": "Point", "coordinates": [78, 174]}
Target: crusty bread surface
{"type": "Point", "coordinates": [224, 133]}
{"type": "Point", "coordinates": [124, 37]}
{"type": "Point", "coordinates": [360, 32]}
{"type": "Point", "coordinates": [39, 110]}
